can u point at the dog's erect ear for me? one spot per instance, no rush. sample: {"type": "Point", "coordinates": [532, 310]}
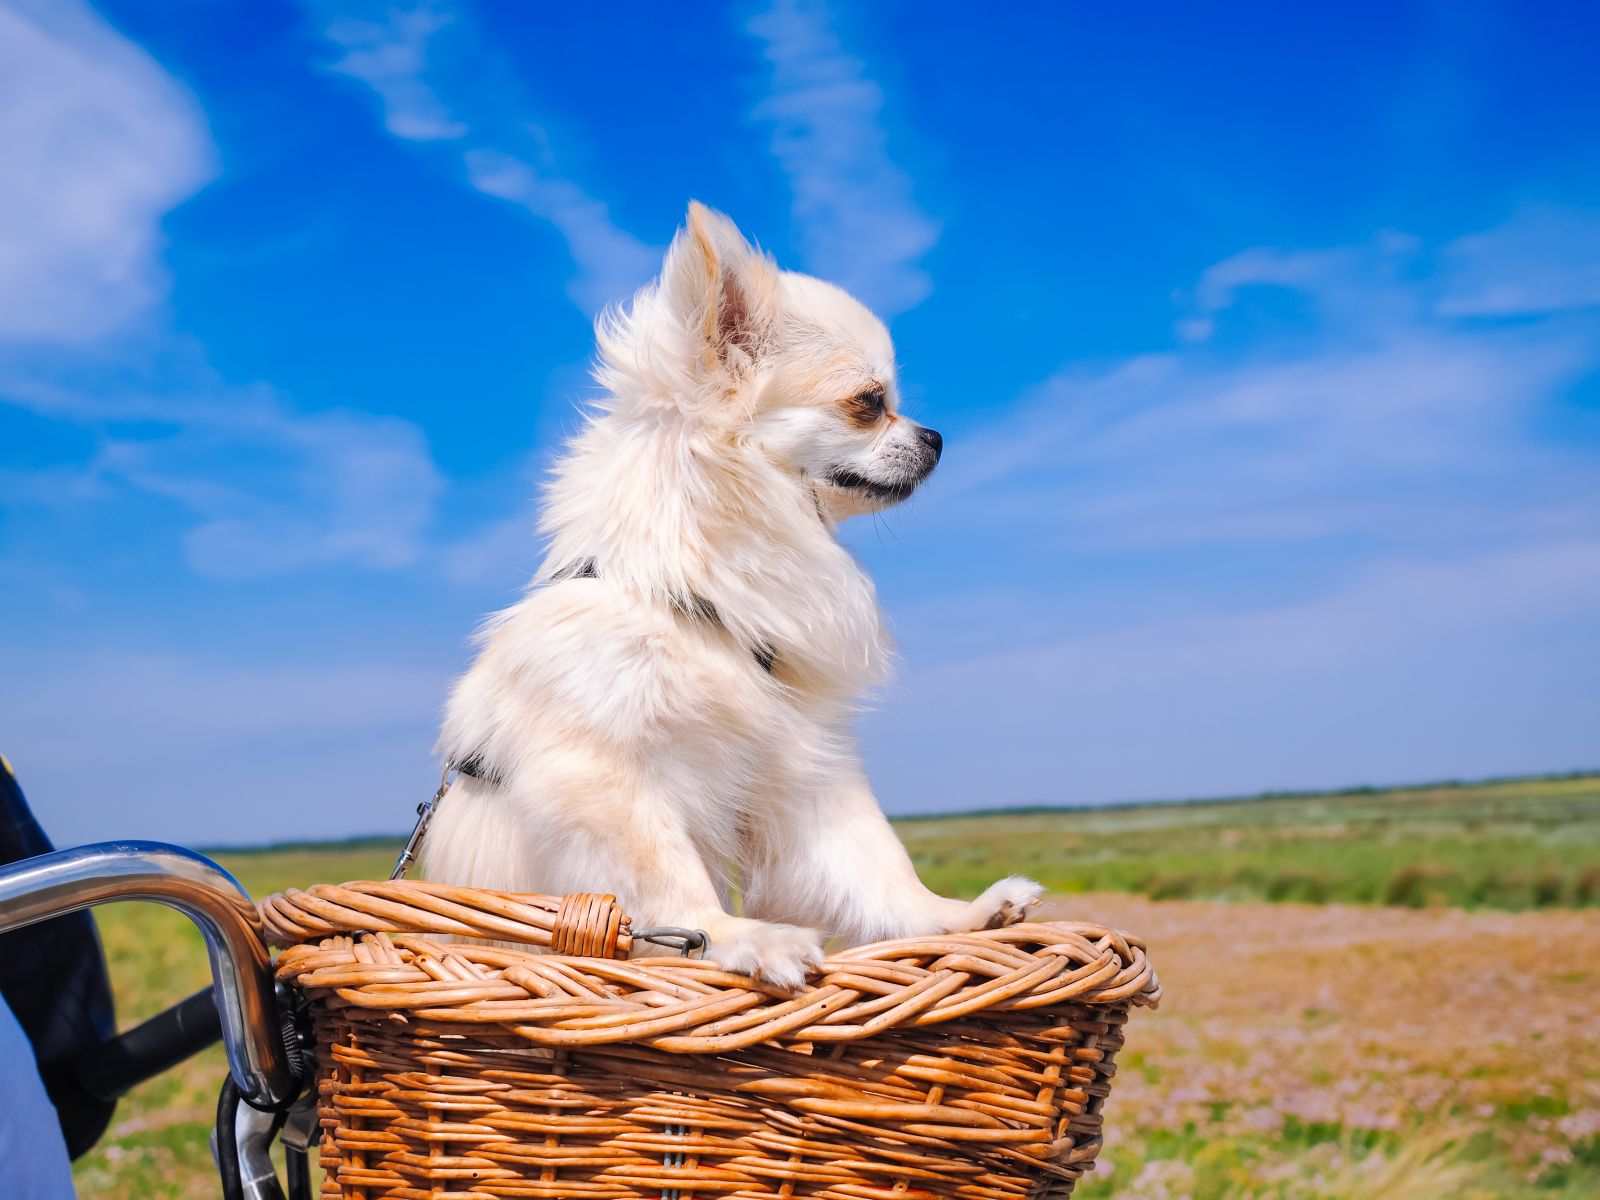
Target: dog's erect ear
{"type": "Point", "coordinates": [722, 288]}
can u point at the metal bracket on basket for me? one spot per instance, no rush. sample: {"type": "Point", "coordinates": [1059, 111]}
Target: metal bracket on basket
{"type": "Point", "coordinates": [690, 943]}
{"type": "Point", "coordinates": [301, 1131]}
{"type": "Point", "coordinates": [419, 830]}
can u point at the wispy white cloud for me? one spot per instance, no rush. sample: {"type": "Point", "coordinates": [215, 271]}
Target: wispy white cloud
{"type": "Point", "coordinates": [424, 63]}
{"type": "Point", "coordinates": [611, 264]}
{"type": "Point", "coordinates": [329, 747]}
{"type": "Point", "coordinates": [860, 222]}
{"type": "Point", "coordinates": [305, 489]}
{"type": "Point", "coordinates": [98, 144]}
{"type": "Point", "coordinates": [1545, 259]}
{"type": "Point", "coordinates": [1408, 670]}
{"type": "Point", "coordinates": [390, 56]}
{"type": "Point", "coordinates": [502, 551]}
{"type": "Point", "coordinates": [1376, 417]}
{"type": "Point", "coordinates": [1352, 286]}
{"type": "Point", "coordinates": [1343, 546]}
{"type": "Point", "coordinates": [266, 487]}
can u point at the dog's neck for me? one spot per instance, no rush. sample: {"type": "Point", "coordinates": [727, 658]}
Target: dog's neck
{"type": "Point", "coordinates": [672, 510]}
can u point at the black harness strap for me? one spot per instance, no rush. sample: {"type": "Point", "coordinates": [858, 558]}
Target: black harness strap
{"type": "Point", "coordinates": [578, 568]}
{"type": "Point", "coordinates": [474, 766]}
{"type": "Point", "coordinates": [693, 607]}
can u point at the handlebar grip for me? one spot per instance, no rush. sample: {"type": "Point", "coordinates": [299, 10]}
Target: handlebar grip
{"type": "Point", "coordinates": [145, 1051]}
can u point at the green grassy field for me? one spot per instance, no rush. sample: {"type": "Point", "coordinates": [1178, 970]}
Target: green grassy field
{"type": "Point", "coordinates": [1516, 844]}
{"type": "Point", "coordinates": [1457, 1096]}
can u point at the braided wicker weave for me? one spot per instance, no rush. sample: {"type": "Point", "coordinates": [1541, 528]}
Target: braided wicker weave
{"type": "Point", "coordinates": [962, 1065]}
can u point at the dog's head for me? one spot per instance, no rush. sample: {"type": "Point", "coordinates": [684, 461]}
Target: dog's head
{"type": "Point", "coordinates": [786, 364]}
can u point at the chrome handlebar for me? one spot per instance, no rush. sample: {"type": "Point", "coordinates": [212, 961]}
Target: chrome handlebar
{"type": "Point", "coordinates": [51, 885]}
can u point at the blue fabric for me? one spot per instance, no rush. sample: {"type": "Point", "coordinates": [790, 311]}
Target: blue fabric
{"type": "Point", "coordinates": [33, 1154]}
{"type": "Point", "coordinates": [53, 976]}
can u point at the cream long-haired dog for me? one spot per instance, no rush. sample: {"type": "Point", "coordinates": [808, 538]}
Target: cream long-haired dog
{"type": "Point", "coordinates": [669, 708]}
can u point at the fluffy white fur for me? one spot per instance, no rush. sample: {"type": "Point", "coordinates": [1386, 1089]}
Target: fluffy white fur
{"type": "Point", "coordinates": [640, 746]}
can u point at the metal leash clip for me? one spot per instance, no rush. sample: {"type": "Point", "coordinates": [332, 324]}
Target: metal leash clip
{"type": "Point", "coordinates": [689, 943]}
{"type": "Point", "coordinates": [424, 816]}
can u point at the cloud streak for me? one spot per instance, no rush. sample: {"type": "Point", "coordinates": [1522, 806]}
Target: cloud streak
{"type": "Point", "coordinates": [612, 264]}
{"type": "Point", "coordinates": [1372, 416]}
{"type": "Point", "coordinates": [268, 488]}
{"type": "Point", "coordinates": [390, 56]}
{"type": "Point", "coordinates": [423, 62]}
{"type": "Point", "coordinates": [99, 143]}
{"type": "Point", "coordinates": [860, 224]}
{"type": "Point", "coordinates": [1405, 671]}
{"type": "Point", "coordinates": [268, 749]}
{"type": "Point", "coordinates": [1325, 540]}
{"type": "Point", "coordinates": [323, 489]}
{"type": "Point", "coordinates": [1546, 259]}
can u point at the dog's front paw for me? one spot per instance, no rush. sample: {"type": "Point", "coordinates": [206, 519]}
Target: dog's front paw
{"type": "Point", "coordinates": [1003, 903]}
{"type": "Point", "coordinates": [782, 955]}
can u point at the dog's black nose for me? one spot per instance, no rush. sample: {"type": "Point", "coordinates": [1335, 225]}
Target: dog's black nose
{"type": "Point", "coordinates": [931, 439]}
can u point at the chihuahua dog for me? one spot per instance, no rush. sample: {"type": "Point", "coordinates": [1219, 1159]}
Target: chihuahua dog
{"type": "Point", "coordinates": [667, 714]}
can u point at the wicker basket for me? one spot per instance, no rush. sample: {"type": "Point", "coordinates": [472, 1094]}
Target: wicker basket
{"type": "Point", "coordinates": [963, 1065]}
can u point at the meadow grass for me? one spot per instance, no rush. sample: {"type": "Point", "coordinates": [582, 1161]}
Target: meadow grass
{"type": "Point", "coordinates": [1512, 844]}
{"type": "Point", "coordinates": [1306, 1050]}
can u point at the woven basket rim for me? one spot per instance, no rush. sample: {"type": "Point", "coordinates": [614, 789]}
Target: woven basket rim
{"type": "Point", "coordinates": [385, 950]}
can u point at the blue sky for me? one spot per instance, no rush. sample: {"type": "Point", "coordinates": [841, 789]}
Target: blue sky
{"type": "Point", "coordinates": [1266, 345]}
